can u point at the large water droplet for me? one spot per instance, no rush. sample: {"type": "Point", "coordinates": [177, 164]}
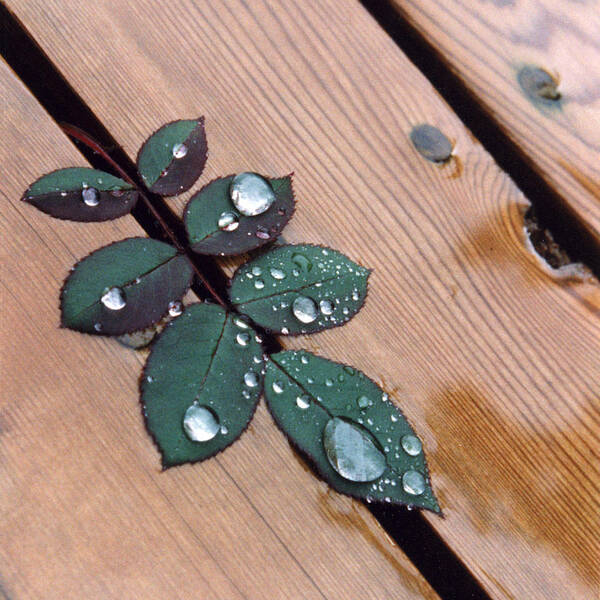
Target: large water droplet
{"type": "Point", "coordinates": [200, 423]}
{"type": "Point", "coordinates": [351, 451]}
{"type": "Point", "coordinates": [277, 274]}
{"type": "Point", "coordinates": [179, 150]}
{"type": "Point", "coordinates": [301, 261]}
{"type": "Point", "coordinates": [303, 401]}
{"type": "Point", "coordinates": [326, 307]}
{"type": "Point", "coordinates": [228, 221]}
{"type": "Point", "coordinates": [251, 194]}
{"type": "Point", "coordinates": [113, 298]}
{"type": "Point", "coordinates": [305, 309]}
{"type": "Point", "coordinates": [364, 402]}
{"type": "Point", "coordinates": [175, 309]}
{"type": "Point", "coordinates": [413, 483]}
{"type": "Point", "coordinates": [90, 196]}
{"type": "Point", "coordinates": [411, 444]}
{"type": "Point", "coordinates": [243, 338]}
{"type": "Point", "coordinates": [251, 379]}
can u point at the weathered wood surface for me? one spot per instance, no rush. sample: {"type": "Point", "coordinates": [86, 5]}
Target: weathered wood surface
{"type": "Point", "coordinates": [488, 42]}
{"type": "Point", "coordinates": [85, 511]}
{"type": "Point", "coordinates": [494, 358]}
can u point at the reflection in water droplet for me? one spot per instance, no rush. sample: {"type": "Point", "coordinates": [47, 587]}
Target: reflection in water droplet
{"type": "Point", "coordinates": [305, 309]}
{"type": "Point", "coordinates": [228, 221]}
{"type": "Point", "coordinates": [278, 387]}
{"type": "Point", "coordinates": [251, 194]}
{"type": "Point", "coordinates": [277, 274]}
{"type": "Point", "coordinates": [326, 307]}
{"type": "Point", "coordinates": [175, 309]}
{"type": "Point", "coordinates": [113, 299]}
{"type": "Point", "coordinates": [90, 196]}
{"type": "Point", "coordinates": [301, 261]}
{"type": "Point", "coordinates": [413, 483]}
{"type": "Point", "coordinates": [179, 150]}
{"type": "Point", "coordinates": [303, 401]}
{"type": "Point", "coordinates": [259, 284]}
{"type": "Point", "coordinates": [243, 338]}
{"type": "Point", "coordinates": [364, 402]}
{"type": "Point", "coordinates": [411, 444]}
{"type": "Point", "coordinates": [351, 451]}
{"type": "Point", "coordinates": [251, 379]}
{"type": "Point", "coordinates": [200, 423]}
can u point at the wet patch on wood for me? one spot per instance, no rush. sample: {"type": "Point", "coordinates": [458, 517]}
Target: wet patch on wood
{"type": "Point", "coordinates": [431, 143]}
{"type": "Point", "coordinates": [539, 86]}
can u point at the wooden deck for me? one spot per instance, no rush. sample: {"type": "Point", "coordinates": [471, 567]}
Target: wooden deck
{"type": "Point", "coordinates": [492, 355]}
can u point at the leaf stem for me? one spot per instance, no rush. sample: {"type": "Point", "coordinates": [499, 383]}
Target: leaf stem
{"type": "Point", "coordinates": [92, 144]}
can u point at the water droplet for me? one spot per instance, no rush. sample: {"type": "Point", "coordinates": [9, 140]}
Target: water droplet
{"type": "Point", "coordinates": [243, 338]}
{"type": "Point", "coordinates": [251, 379]}
{"type": "Point", "coordinates": [246, 394]}
{"type": "Point", "coordinates": [251, 194]}
{"type": "Point", "coordinates": [393, 418]}
{"type": "Point", "coordinates": [277, 274]}
{"type": "Point", "coordinates": [224, 430]}
{"type": "Point", "coordinates": [262, 233]}
{"type": "Point", "coordinates": [228, 221]}
{"type": "Point", "coordinates": [256, 270]}
{"type": "Point", "coordinates": [175, 309]}
{"type": "Point", "coordinates": [352, 452]}
{"type": "Point", "coordinates": [277, 387]}
{"type": "Point", "coordinates": [179, 150]}
{"type": "Point", "coordinates": [304, 359]}
{"type": "Point", "coordinates": [301, 261]}
{"type": "Point", "coordinates": [355, 296]}
{"type": "Point", "coordinates": [90, 196]}
{"type": "Point", "coordinates": [113, 299]}
{"type": "Point", "coordinates": [329, 382]}
{"type": "Point", "coordinates": [345, 310]}
{"type": "Point", "coordinates": [98, 326]}
{"type": "Point", "coordinates": [411, 444]}
{"type": "Point", "coordinates": [242, 322]}
{"type": "Point", "coordinates": [303, 401]}
{"type": "Point", "coordinates": [305, 309]}
{"type": "Point", "coordinates": [413, 483]}
{"type": "Point", "coordinates": [259, 284]}
{"type": "Point", "coordinates": [364, 402]}
{"type": "Point", "coordinates": [149, 379]}
{"type": "Point", "coordinates": [200, 423]}
{"type": "Point", "coordinates": [326, 307]}
{"type": "Point", "coordinates": [349, 370]}
{"type": "Point", "coordinates": [285, 330]}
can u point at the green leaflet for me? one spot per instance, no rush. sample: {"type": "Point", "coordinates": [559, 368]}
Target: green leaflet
{"type": "Point", "coordinates": [124, 287]}
{"type": "Point", "coordinates": [203, 376]}
{"type": "Point", "coordinates": [300, 289]}
{"type": "Point", "coordinates": [82, 194]}
{"type": "Point", "coordinates": [214, 226]}
{"type": "Point", "coordinates": [359, 441]}
{"type": "Point", "coordinates": [173, 157]}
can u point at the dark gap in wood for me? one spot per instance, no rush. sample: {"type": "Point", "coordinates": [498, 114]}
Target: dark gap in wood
{"type": "Point", "coordinates": [552, 213]}
{"type": "Point", "coordinates": [410, 530]}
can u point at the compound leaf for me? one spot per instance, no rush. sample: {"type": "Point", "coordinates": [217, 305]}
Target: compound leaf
{"type": "Point", "coordinates": [201, 383]}
{"type": "Point", "coordinates": [300, 289]}
{"type": "Point", "coordinates": [173, 157]}
{"type": "Point", "coordinates": [82, 194]}
{"type": "Point", "coordinates": [359, 441]}
{"type": "Point", "coordinates": [124, 287]}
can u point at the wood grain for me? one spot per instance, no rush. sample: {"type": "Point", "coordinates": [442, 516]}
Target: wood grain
{"type": "Point", "coordinates": [494, 358]}
{"type": "Point", "coordinates": [487, 42]}
{"type": "Point", "coordinates": [85, 511]}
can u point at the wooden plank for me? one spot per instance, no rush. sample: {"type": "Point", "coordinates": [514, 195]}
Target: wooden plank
{"type": "Point", "coordinates": [85, 511]}
{"type": "Point", "coordinates": [493, 357]}
{"type": "Point", "coordinates": [488, 43]}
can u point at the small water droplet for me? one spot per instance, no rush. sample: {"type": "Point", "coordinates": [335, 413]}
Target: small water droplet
{"type": "Point", "coordinates": [242, 321]}
{"type": "Point", "coordinates": [262, 233]}
{"type": "Point", "coordinates": [90, 196]}
{"type": "Point", "coordinates": [326, 307]}
{"type": "Point", "coordinates": [285, 330]}
{"type": "Point", "coordinates": [411, 444]}
{"type": "Point", "coordinates": [243, 338]}
{"type": "Point", "coordinates": [277, 387]}
{"type": "Point", "coordinates": [175, 309]}
{"type": "Point", "coordinates": [304, 359]}
{"type": "Point", "coordinates": [329, 382]}
{"type": "Point", "coordinates": [228, 221]}
{"type": "Point", "coordinates": [246, 394]}
{"type": "Point", "coordinates": [345, 310]}
{"type": "Point", "coordinates": [259, 284]}
{"type": "Point", "coordinates": [251, 379]}
{"type": "Point", "coordinates": [251, 194]}
{"type": "Point", "coordinates": [305, 309]}
{"type": "Point", "coordinates": [351, 451]}
{"type": "Point", "coordinates": [303, 401]}
{"type": "Point", "coordinates": [413, 483]}
{"type": "Point", "coordinates": [355, 296]}
{"type": "Point", "coordinates": [149, 379]}
{"type": "Point", "coordinates": [179, 150]}
{"type": "Point", "coordinates": [113, 298]}
{"type": "Point", "coordinates": [349, 370]}
{"type": "Point", "coordinates": [302, 262]}
{"type": "Point", "coordinates": [256, 270]}
{"type": "Point", "coordinates": [364, 402]}
{"type": "Point", "coordinates": [224, 430]}
{"type": "Point", "coordinates": [277, 274]}
{"type": "Point", "coordinates": [200, 423]}
{"type": "Point", "coordinates": [98, 326]}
